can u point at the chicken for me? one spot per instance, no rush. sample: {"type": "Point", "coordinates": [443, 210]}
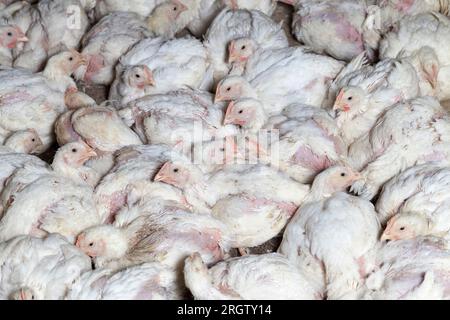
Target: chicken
{"type": "Point", "coordinates": [148, 281]}
{"type": "Point", "coordinates": [413, 269]}
{"type": "Point", "coordinates": [106, 42]}
{"type": "Point", "coordinates": [52, 26]}
{"type": "Point", "coordinates": [142, 7]}
{"type": "Point", "coordinates": [34, 101]}
{"type": "Point", "coordinates": [155, 66]}
{"type": "Point", "coordinates": [414, 203]}
{"type": "Point", "coordinates": [262, 277]}
{"type": "Point", "coordinates": [39, 269]}
{"type": "Point", "coordinates": [255, 27]}
{"type": "Point", "coordinates": [367, 92]}
{"type": "Point", "coordinates": [416, 32]}
{"type": "Point", "coordinates": [261, 71]}
{"type": "Point", "coordinates": [26, 141]}
{"type": "Point", "coordinates": [333, 235]}
{"type": "Point", "coordinates": [248, 199]}
{"type": "Point", "coordinates": [333, 27]}
{"type": "Point", "coordinates": [178, 118]}
{"type": "Point", "coordinates": [265, 6]}
{"type": "Point", "coordinates": [11, 161]}
{"type": "Point", "coordinates": [145, 232]}
{"type": "Point", "coordinates": [10, 37]}
{"type": "Point", "coordinates": [126, 184]}
{"type": "Point", "coordinates": [46, 202]}
{"type": "Point", "coordinates": [111, 136]}
{"type": "Point", "coordinates": [70, 160]}
{"type": "Point", "coordinates": [389, 12]}
{"type": "Point", "coordinates": [306, 140]}
{"type": "Point", "coordinates": [407, 134]}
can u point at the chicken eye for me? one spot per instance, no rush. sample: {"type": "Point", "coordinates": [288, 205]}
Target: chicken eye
{"type": "Point", "coordinates": [241, 111]}
{"type": "Point", "coordinates": [34, 140]}
{"type": "Point", "coordinates": [350, 98]}
{"type": "Point", "coordinates": [229, 89]}
{"type": "Point", "coordinates": [9, 34]}
{"type": "Point", "coordinates": [402, 228]}
{"type": "Point", "coordinates": [175, 8]}
{"type": "Point", "coordinates": [243, 47]}
{"type": "Point", "coordinates": [176, 170]}
{"type": "Point", "coordinates": [70, 58]}
{"type": "Point", "coordinates": [343, 174]}
{"type": "Point", "coordinates": [74, 150]}
{"type": "Point", "coordinates": [91, 244]}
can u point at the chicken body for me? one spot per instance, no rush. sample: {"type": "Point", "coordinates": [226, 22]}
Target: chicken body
{"type": "Point", "coordinates": [155, 66]}
{"type": "Point", "coordinates": [407, 134]}
{"type": "Point", "coordinates": [269, 276]}
{"type": "Point", "coordinates": [236, 24]}
{"type": "Point", "coordinates": [39, 269]}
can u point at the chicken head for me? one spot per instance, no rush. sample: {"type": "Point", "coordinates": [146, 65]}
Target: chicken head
{"type": "Point", "coordinates": [405, 226]}
{"type": "Point", "coordinates": [10, 36]}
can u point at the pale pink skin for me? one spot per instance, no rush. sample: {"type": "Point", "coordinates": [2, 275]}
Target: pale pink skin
{"type": "Point", "coordinates": [95, 64]}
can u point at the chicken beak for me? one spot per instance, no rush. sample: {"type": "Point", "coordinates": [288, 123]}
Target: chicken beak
{"type": "Point", "coordinates": [22, 295]}
{"type": "Point", "coordinates": [78, 242]}
{"type": "Point", "coordinates": [149, 77]}
{"type": "Point", "coordinates": [161, 176]}
{"type": "Point", "coordinates": [337, 104]}
{"type": "Point", "coordinates": [385, 237]}
{"type": "Point", "coordinates": [218, 97]}
{"type": "Point", "coordinates": [23, 39]}
{"type": "Point", "coordinates": [228, 115]}
{"type": "Point", "coordinates": [232, 55]}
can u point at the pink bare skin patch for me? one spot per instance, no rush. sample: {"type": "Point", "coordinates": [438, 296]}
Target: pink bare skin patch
{"type": "Point", "coordinates": [116, 201]}
{"type": "Point", "coordinates": [308, 159]}
{"type": "Point", "coordinates": [348, 32]}
{"type": "Point", "coordinates": [15, 97]}
{"type": "Point", "coordinates": [96, 63]}
{"type": "Point", "coordinates": [404, 5]}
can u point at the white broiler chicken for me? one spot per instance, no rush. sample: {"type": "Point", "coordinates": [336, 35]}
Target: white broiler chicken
{"type": "Point", "coordinates": [258, 31]}
{"type": "Point", "coordinates": [12, 161]}
{"type": "Point", "coordinates": [112, 135]}
{"type": "Point", "coordinates": [415, 269]}
{"type": "Point", "coordinates": [265, 6]}
{"type": "Point", "coordinates": [26, 141]}
{"type": "Point", "coordinates": [46, 201]}
{"type": "Point", "coordinates": [131, 179]}
{"type": "Point", "coordinates": [271, 77]}
{"type": "Point", "coordinates": [145, 232]}
{"type": "Point", "coordinates": [141, 7]}
{"type": "Point", "coordinates": [34, 101]}
{"type": "Point", "coordinates": [409, 133]}
{"type": "Point", "coordinates": [148, 281]}
{"type": "Point", "coordinates": [39, 269]}
{"type": "Point", "coordinates": [155, 66]}
{"type": "Point", "coordinates": [388, 13]}
{"type": "Point", "coordinates": [415, 203]}
{"type": "Point", "coordinates": [262, 277]}
{"type": "Point", "coordinates": [177, 118]}
{"type": "Point", "coordinates": [306, 139]}
{"type": "Point", "coordinates": [70, 162]}
{"type": "Point", "coordinates": [10, 37]}
{"type": "Point", "coordinates": [364, 94]}
{"type": "Point", "coordinates": [106, 42]}
{"type": "Point", "coordinates": [332, 27]}
{"type": "Point", "coordinates": [428, 30]}
{"type": "Point", "coordinates": [332, 236]}
{"type": "Point", "coordinates": [52, 26]}
{"type": "Point", "coordinates": [248, 199]}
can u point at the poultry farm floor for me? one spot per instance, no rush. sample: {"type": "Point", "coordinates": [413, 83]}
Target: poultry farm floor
{"type": "Point", "coordinates": [283, 14]}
